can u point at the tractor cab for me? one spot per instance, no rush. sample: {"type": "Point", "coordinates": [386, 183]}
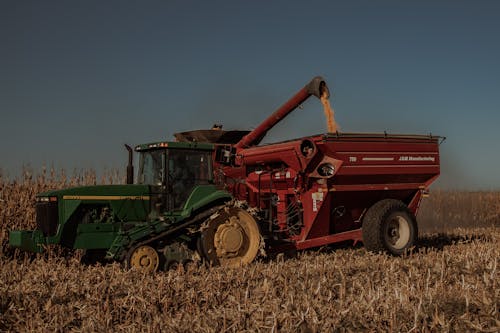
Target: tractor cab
{"type": "Point", "coordinates": [173, 170]}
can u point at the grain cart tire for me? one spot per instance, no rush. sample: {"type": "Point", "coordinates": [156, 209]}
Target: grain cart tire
{"type": "Point", "coordinates": [231, 238]}
{"type": "Point", "coordinates": [389, 226]}
{"type": "Point", "coordinates": [144, 258]}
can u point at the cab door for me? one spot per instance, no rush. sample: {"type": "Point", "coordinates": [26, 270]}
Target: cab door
{"type": "Point", "coordinates": [152, 167]}
{"type": "Point", "coordinates": [186, 169]}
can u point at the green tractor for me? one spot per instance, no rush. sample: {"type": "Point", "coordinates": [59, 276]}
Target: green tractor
{"type": "Point", "coordinates": [174, 213]}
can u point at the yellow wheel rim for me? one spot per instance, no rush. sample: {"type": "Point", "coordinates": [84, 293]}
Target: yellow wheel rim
{"type": "Point", "coordinates": [237, 240]}
{"type": "Point", "coordinates": [145, 258]}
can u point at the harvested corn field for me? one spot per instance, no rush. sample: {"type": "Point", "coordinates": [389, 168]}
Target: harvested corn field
{"type": "Point", "coordinates": [449, 283]}
{"type": "Point", "coordinates": [452, 287]}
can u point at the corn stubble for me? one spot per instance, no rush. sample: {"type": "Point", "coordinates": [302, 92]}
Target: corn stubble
{"type": "Point", "coordinates": [449, 283]}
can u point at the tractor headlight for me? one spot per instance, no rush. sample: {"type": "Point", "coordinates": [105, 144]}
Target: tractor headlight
{"type": "Point", "coordinates": [46, 199]}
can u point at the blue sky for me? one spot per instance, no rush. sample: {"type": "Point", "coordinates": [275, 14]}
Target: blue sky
{"type": "Point", "coordinates": [80, 79]}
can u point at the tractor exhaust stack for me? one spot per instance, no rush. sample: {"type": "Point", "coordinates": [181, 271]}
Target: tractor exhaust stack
{"type": "Point", "coordinates": [130, 165]}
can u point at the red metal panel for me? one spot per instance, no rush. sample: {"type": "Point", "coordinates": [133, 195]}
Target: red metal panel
{"type": "Point", "coordinates": [414, 204]}
{"type": "Point", "coordinates": [376, 187]}
{"type": "Point", "coordinates": [388, 169]}
{"type": "Point", "coordinates": [265, 155]}
{"type": "Point", "coordinates": [313, 201]}
{"type": "Point", "coordinates": [320, 226]}
{"type": "Point", "coordinates": [355, 235]}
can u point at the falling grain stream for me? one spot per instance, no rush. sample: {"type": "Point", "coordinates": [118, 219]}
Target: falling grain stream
{"type": "Point", "coordinates": [329, 113]}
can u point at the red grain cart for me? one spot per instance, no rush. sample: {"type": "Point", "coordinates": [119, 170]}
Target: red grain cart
{"type": "Point", "coordinates": [333, 187]}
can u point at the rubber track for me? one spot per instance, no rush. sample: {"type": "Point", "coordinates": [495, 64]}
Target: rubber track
{"type": "Point", "coordinates": [199, 217]}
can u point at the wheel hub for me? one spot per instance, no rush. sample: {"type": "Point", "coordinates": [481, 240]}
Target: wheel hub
{"type": "Point", "coordinates": [145, 258]}
{"type": "Point", "coordinates": [229, 238]}
{"type": "Point", "coordinates": [394, 232]}
{"type": "Point", "coordinates": [398, 232]}
{"type": "Point", "coordinates": [145, 261]}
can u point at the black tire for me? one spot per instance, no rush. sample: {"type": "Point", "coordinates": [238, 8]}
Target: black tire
{"type": "Point", "coordinates": [389, 226]}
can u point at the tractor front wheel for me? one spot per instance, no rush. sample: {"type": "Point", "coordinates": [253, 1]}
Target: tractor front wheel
{"type": "Point", "coordinates": [389, 226]}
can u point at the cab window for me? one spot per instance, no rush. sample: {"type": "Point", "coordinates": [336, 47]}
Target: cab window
{"type": "Point", "coordinates": [151, 167]}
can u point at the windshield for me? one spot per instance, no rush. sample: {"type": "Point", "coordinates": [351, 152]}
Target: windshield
{"type": "Point", "coordinates": [190, 164]}
{"type": "Point", "coordinates": [178, 171]}
{"type": "Point", "coordinates": [187, 169]}
{"type": "Point", "coordinates": [151, 167]}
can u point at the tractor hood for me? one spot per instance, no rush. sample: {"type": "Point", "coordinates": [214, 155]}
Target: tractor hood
{"type": "Point", "coordinates": [127, 202]}
{"type": "Point", "coordinates": [55, 208]}
{"type": "Point", "coordinates": [100, 192]}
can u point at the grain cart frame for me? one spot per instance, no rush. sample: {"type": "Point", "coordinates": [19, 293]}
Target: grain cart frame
{"type": "Point", "coordinates": [231, 196]}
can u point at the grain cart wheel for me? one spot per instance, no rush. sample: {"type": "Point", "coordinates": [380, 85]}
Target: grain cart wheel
{"type": "Point", "coordinates": [231, 239]}
{"type": "Point", "coordinates": [144, 258]}
{"type": "Point", "coordinates": [389, 226]}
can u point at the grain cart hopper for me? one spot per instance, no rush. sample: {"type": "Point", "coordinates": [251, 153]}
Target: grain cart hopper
{"type": "Point", "coordinates": [222, 197]}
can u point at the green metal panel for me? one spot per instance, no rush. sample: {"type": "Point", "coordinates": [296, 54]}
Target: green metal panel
{"type": "Point", "coordinates": [131, 209]}
{"type": "Point", "coordinates": [100, 190]}
{"type": "Point", "coordinates": [68, 208]}
{"type": "Point", "coordinates": [129, 202]}
{"type": "Point", "coordinates": [202, 196]}
{"type": "Point", "coordinates": [96, 235]}
{"type": "Point", "coordinates": [27, 240]}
